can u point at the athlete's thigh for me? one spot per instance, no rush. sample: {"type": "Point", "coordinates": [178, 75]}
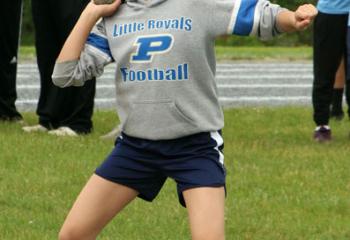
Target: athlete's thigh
{"type": "Point", "coordinates": [206, 207]}
{"type": "Point", "coordinates": [99, 201]}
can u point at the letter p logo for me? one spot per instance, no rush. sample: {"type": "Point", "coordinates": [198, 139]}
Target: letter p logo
{"type": "Point", "coordinates": [148, 46]}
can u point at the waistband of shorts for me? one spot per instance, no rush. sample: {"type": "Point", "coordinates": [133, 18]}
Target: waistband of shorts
{"type": "Point", "coordinates": [185, 138]}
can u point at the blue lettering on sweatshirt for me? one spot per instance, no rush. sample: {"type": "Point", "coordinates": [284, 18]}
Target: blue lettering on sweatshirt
{"type": "Point", "coordinates": [179, 73]}
{"type": "Point", "coordinates": [181, 24]}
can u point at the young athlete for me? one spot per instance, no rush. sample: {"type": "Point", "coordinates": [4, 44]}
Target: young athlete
{"type": "Point", "coordinates": [167, 101]}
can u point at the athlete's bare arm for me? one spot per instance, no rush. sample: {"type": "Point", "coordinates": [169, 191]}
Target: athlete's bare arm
{"type": "Point", "coordinates": [77, 38]}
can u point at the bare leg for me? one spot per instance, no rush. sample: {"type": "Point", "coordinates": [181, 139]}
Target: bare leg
{"type": "Point", "coordinates": [99, 201]}
{"type": "Point", "coordinates": [340, 76]}
{"type": "Point", "coordinates": [206, 209]}
{"type": "Point", "coordinates": [338, 91]}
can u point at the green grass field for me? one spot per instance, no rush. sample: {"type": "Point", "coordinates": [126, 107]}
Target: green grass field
{"type": "Point", "coordinates": [281, 184]}
{"type": "Point", "coordinates": [27, 53]}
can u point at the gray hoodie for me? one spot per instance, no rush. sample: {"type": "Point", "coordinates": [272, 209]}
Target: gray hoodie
{"type": "Point", "coordinates": [165, 61]}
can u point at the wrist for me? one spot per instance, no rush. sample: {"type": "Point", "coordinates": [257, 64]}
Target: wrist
{"type": "Point", "coordinates": [293, 21]}
{"type": "Point", "coordinates": [286, 21]}
{"type": "Point", "coordinates": [90, 14]}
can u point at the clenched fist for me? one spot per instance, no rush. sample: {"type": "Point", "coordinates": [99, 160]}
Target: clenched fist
{"type": "Point", "coordinates": [304, 15]}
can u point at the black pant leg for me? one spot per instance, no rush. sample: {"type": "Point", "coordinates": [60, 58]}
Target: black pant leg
{"type": "Point", "coordinates": [47, 48]}
{"type": "Point", "coordinates": [10, 17]}
{"type": "Point", "coordinates": [329, 48]}
{"type": "Point", "coordinates": [72, 107]}
{"type": "Point", "coordinates": [78, 101]}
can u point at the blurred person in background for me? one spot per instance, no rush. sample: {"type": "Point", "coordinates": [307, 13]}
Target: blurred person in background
{"type": "Point", "coordinates": [63, 112]}
{"type": "Point", "coordinates": [329, 48]}
{"type": "Point", "coordinates": [347, 68]}
{"type": "Point", "coordinates": [10, 17]}
{"type": "Point", "coordinates": [337, 112]}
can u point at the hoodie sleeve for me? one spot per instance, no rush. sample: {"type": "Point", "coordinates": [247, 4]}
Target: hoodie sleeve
{"type": "Point", "coordinates": [94, 57]}
{"type": "Point", "coordinates": [245, 17]}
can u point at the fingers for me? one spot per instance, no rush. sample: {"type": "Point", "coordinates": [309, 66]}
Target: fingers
{"type": "Point", "coordinates": [304, 15]}
{"type": "Point", "coordinates": [102, 2]}
{"type": "Point", "coordinates": [307, 11]}
{"type": "Point", "coordinates": [116, 3]}
{"type": "Point", "coordinates": [302, 25]}
{"type": "Point", "coordinates": [113, 6]}
{"type": "Point", "coordinates": [106, 10]}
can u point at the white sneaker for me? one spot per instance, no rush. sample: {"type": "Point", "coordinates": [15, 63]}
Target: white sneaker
{"type": "Point", "coordinates": [113, 134]}
{"type": "Point", "coordinates": [63, 131]}
{"type": "Point", "coordinates": [35, 128]}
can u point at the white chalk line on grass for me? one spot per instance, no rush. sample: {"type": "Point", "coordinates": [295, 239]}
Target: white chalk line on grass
{"type": "Point", "coordinates": [224, 86]}
{"type": "Point", "coordinates": [218, 77]}
{"type": "Point", "coordinates": [222, 99]}
{"type": "Point", "coordinates": [24, 72]}
{"type": "Point", "coordinates": [218, 65]}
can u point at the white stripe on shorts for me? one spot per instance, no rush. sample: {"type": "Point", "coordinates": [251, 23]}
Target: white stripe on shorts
{"type": "Point", "coordinates": [219, 140]}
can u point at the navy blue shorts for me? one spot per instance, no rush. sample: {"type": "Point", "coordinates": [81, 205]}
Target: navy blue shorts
{"type": "Point", "coordinates": [144, 165]}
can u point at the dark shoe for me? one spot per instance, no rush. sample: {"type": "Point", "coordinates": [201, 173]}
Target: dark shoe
{"type": "Point", "coordinates": [323, 134]}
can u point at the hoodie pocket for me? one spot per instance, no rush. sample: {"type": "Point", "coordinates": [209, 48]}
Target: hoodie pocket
{"type": "Point", "coordinates": [156, 120]}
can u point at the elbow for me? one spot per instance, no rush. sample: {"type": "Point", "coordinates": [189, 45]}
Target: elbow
{"type": "Point", "coordinates": [60, 82]}
{"type": "Point", "coordinates": [64, 82]}
{"type": "Point", "coordinates": [65, 75]}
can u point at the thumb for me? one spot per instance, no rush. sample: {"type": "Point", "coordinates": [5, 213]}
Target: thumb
{"type": "Point", "coordinates": [302, 24]}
